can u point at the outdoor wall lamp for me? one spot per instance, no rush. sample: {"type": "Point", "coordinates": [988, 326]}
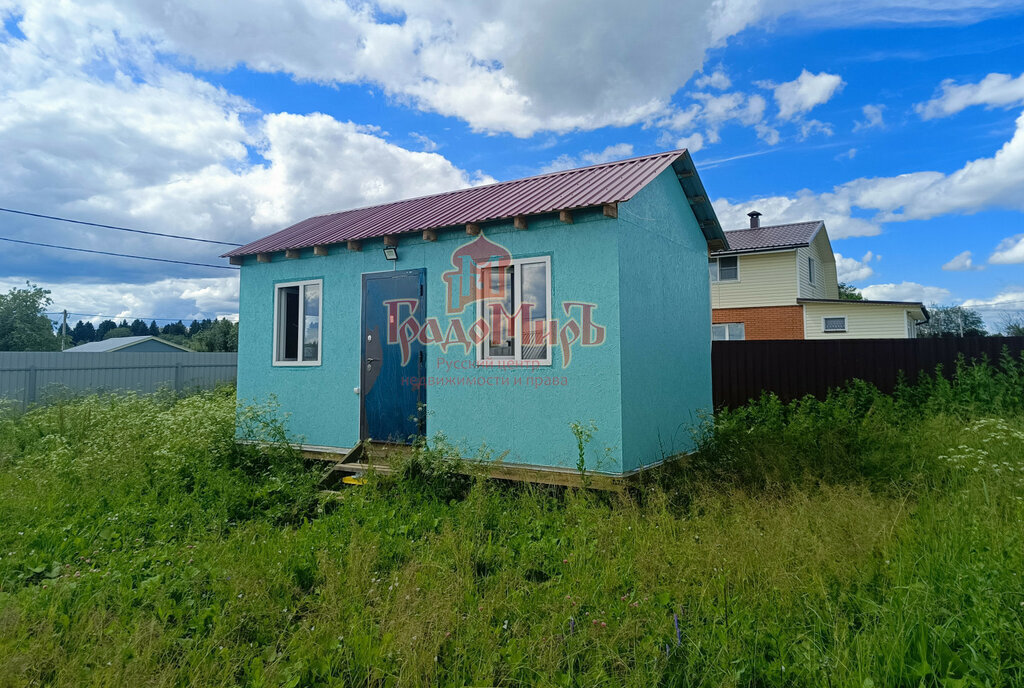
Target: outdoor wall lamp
{"type": "Point", "coordinates": [391, 253]}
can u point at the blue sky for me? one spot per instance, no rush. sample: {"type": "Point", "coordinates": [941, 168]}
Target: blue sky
{"type": "Point", "coordinates": [899, 124]}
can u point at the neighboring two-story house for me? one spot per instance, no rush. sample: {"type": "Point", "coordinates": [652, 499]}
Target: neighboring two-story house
{"type": "Point", "coordinates": [780, 282]}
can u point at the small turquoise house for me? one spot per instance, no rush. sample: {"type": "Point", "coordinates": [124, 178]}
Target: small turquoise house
{"type": "Point", "coordinates": [496, 315]}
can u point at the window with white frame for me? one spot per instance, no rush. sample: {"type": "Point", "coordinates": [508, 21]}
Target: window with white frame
{"type": "Point", "coordinates": [516, 305]}
{"type": "Point", "coordinates": [833, 323]}
{"type": "Point", "coordinates": [728, 332]}
{"type": "Point", "coordinates": [810, 271]}
{"type": "Point", "coordinates": [725, 269]}
{"type": "Point", "coordinates": [297, 320]}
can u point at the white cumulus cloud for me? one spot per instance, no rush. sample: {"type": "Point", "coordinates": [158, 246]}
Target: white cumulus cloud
{"type": "Point", "coordinates": [833, 208]}
{"type": "Point", "coordinates": [618, 151]}
{"type": "Point", "coordinates": [906, 291]}
{"type": "Point", "coordinates": [716, 79]}
{"type": "Point", "coordinates": [872, 118]}
{"type": "Point", "coordinates": [859, 207]}
{"type": "Point", "coordinates": [805, 92]}
{"type": "Point", "coordinates": [853, 270]}
{"type": "Point", "coordinates": [1009, 250]}
{"type": "Point", "coordinates": [165, 298]}
{"type": "Point", "coordinates": [995, 90]}
{"type": "Point", "coordinates": [962, 262]}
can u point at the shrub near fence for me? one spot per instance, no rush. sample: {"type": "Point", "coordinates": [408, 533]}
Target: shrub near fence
{"type": "Point", "coordinates": [27, 377]}
{"type": "Point", "coordinates": [743, 370]}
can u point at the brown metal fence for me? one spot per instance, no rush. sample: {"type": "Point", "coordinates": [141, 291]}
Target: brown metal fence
{"type": "Point", "coordinates": [791, 369]}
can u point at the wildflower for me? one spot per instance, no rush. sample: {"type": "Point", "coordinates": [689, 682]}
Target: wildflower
{"type": "Point", "coordinates": [603, 624]}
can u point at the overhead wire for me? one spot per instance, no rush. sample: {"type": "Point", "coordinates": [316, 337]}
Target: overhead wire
{"type": "Point", "coordinates": [120, 229]}
{"type": "Point", "coordinates": [118, 255]}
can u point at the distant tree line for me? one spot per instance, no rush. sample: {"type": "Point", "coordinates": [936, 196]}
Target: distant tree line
{"type": "Point", "coordinates": [24, 326]}
{"type": "Point", "coordinates": [201, 335]}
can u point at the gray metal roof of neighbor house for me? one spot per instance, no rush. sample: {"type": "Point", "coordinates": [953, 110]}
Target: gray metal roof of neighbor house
{"type": "Point", "coordinates": [120, 344]}
{"type": "Point", "coordinates": [870, 302]}
{"type": "Point", "coordinates": [771, 238]}
{"type": "Point", "coordinates": [583, 187]}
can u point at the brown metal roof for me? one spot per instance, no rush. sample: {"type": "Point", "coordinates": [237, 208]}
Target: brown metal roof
{"type": "Point", "coordinates": [578, 188]}
{"type": "Point", "coordinates": [771, 238]}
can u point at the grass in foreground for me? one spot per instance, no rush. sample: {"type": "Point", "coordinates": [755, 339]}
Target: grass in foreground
{"type": "Point", "coordinates": [865, 540]}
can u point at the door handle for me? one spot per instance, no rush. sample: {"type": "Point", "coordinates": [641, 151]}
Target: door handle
{"type": "Point", "coordinates": [370, 359]}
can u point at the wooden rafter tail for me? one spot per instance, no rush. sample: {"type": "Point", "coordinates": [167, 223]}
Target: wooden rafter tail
{"type": "Point", "coordinates": [429, 235]}
{"type": "Point", "coordinates": [519, 222]}
{"type": "Point", "coordinates": [236, 260]}
{"type": "Point", "coordinates": [610, 210]}
{"type": "Point", "coordinates": [262, 257]}
{"type": "Point", "coordinates": [390, 240]}
{"type": "Point", "coordinates": [354, 245]}
{"type": "Point", "coordinates": [320, 251]}
{"type": "Point", "coordinates": [292, 253]}
{"type": "Point", "coordinates": [565, 216]}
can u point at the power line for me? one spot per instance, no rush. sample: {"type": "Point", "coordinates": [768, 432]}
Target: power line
{"type": "Point", "coordinates": [119, 255]}
{"type": "Point", "coordinates": [120, 229]}
{"type": "Point", "coordinates": [994, 306]}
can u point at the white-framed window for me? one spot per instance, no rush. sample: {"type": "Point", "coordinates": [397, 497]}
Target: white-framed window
{"type": "Point", "coordinates": [516, 304]}
{"type": "Point", "coordinates": [833, 323]}
{"type": "Point", "coordinates": [724, 269]}
{"type": "Point", "coordinates": [728, 332]}
{"type": "Point", "coordinates": [298, 317]}
{"type": "Point", "coordinates": [810, 271]}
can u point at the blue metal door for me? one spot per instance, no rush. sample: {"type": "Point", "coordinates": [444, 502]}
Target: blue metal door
{"type": "Point", "coordinates": [393, 396]}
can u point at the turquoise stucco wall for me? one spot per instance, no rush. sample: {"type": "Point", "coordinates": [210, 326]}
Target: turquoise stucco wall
{"type": "Point", "coordinates": [665, 323]}
{"type": "Point", "coordinates": [530, 422]}
{"type": "Point", "coordinates": [644, 388]}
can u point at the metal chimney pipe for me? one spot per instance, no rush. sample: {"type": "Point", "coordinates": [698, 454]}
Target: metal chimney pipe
{"type": "Point", "coordinates": [755, 219]}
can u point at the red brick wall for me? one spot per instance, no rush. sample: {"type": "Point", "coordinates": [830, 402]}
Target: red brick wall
{"type": "Point", "coordinates": [769, 322]}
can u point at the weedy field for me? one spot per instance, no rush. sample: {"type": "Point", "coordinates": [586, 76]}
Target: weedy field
{"type": "Point", "coordinates": [867, 540]}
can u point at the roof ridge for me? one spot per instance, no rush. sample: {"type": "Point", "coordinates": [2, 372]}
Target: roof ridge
{"type": "Point", "coordinates": [784, 224]}
{"type": "Point", "coordinates": [555, 173]}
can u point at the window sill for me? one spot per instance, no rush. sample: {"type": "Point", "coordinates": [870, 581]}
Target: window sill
{"type": "Point", "coordinates": [296, 364]}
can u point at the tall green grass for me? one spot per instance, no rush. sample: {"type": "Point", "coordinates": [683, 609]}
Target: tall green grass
{"type": "Point", "coordinates": [863, 540]}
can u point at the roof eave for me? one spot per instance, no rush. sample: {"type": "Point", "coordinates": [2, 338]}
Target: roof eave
{"type": "Point", "coordinates": [866, 302]}
{"type": "Point", "coordinates": [700, 204]}
{"type": "Point", "coordinates": [764, 249]}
